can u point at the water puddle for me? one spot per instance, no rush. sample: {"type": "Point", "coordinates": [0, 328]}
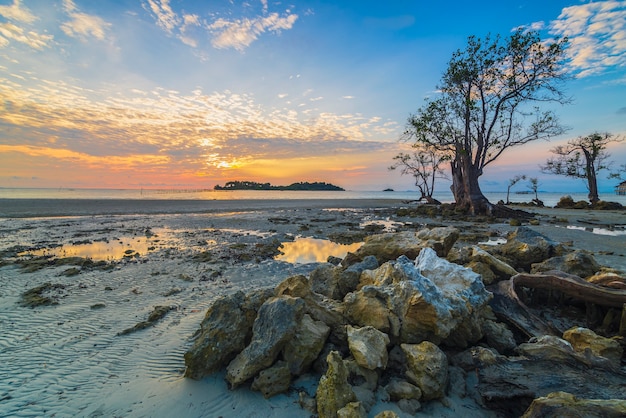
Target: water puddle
{"type": "Point", "coordinates": [105, 250]}
{"type": "Point", "coordinates": [313, 250]}
{"type": "Point", "coordinates": [618, 230]}
{"type": "Point", "coordinates": [493, 241]}
{"type": "Point", "coordinates": [385, 225]}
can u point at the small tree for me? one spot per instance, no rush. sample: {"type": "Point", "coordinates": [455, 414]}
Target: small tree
{"type": "Point", "coordinates": [534, 187]}
{"type": "Point", "coordinates": [425, 166]}
{"type": "Point", "coordinates": [513, 182]}
{"type": "Point", "coordinates": [583, 158]}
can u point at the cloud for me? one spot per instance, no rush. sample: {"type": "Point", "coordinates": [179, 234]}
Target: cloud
{"type": "Point", "coordinates": [13, 31]}
{"type": "Point", "coordinates": [17, 13]}
{"type": "Point", "coordinates": [187, 131]}
{"type": "Point", "coordinates": [239, 34]}
{"type": "Point", "coordinates": [597, 35]}
{"type": "Point", "coordinates": [83, 25]}
{"type": "Point", "coordinates": [223, 33]}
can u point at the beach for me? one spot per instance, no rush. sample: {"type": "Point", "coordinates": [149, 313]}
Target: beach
{"type": "Point", "coordinates": [120, 259]}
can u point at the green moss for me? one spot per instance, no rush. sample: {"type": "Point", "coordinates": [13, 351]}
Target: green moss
{"type": "Point", "coordinates": [157, 314]}
{"type": "Point", "coordinates": [35, 297]}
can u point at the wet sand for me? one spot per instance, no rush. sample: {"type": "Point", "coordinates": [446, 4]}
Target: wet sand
{"type": "Point", "coordinates": [69, 359]}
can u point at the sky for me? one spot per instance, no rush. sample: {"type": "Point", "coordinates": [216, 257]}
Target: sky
{"type": "Point", "coordinates": [190, 94]}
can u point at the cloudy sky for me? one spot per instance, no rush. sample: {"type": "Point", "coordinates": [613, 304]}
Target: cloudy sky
{"type": "Point", "coordinates": [182, 93]}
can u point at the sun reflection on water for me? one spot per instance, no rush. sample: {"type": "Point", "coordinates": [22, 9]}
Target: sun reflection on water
{"type": "Point", "coordinates": [313, 250]}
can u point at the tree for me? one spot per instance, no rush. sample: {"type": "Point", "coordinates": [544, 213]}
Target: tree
{"type": "Point", "coordinates": [534, 187]}
{"type": "Point", "coordinates": [425, 165]}
{"type": "Point", "coordinates": [582, 158]}
{"type": "Point", "coordinates": [485, 106]}
{"type": "Point", "coordinates": [513, 182]}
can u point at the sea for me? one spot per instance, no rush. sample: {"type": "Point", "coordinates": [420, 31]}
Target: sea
{"type": "Point", "coordinates": [549, 199]}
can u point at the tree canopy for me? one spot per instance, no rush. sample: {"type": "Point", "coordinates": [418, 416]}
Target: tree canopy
{"type": "Point", "coordinates": [488, 103]}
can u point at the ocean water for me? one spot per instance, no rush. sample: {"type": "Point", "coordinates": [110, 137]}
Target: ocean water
{"type": "Point", "coordinates": [549, 198]}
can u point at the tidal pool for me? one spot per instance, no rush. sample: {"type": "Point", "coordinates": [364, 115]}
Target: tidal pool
{"type": "Point", "coordinates": [618, 230]}
{"type": "Point", "coordinates": [313, 250]}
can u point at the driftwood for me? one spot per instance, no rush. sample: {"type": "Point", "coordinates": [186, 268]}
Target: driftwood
{"type": "Point", "coordinates": [510, 386]}
{"type": "Point", "coordinates": [510, 309]}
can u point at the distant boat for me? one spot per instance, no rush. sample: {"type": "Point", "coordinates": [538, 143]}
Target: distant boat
{"type": "Point", "coordinates": [388, 190]}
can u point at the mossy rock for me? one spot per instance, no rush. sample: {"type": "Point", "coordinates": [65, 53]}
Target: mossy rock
{"type": "Point", "coordinates": [35, 297]}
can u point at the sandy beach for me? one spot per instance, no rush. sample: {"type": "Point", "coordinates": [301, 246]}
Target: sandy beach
{"type": "Point", "coordinates": [123, 258]}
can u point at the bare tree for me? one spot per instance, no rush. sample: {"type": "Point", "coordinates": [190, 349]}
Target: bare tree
{"type": "Point", "coordinates": [534, 187]}
{"type": "Point", "coordinates": [425, 165]}
{"type": "Point", "coordinates": [486, 106]}
{"type": "Point", "coordinates": [583, 158]}
{"type": "Point", "coordinates": [513, 182]}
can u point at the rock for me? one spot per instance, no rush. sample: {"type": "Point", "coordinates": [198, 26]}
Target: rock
{"type": "Point", "coordinates": [273, 380]}
{"type": "Point", "coordinates": [583, 339]}
{"type": "Point", "coordinates": [335, 282]}
{"type": "Point", "coordinates": [368, 346]}
{"type": "Point", "coordinates": [333, 392]}
{"type": "Point", "coordinates": [224, 332]}
{"type": "Point", "coordinates": [302, 350]}
{"type": "Point", "coordinates": [499, 336]}
{"type": "Point", "coordinates": [427, 367]}
{"type": "Point", "coordinates": [361, 376]}
{"type": "Point", "coordinates": [372, 306]}
{"type": "Point", "coordinates": [500, 269]}
{"type": "Point", "coordinates": [410, 406]}
{"type": "Point", "coordinates": [608, 279]}
{"type": "Point", "coordinates": [579, 263]}
{"type": "Point", "coordinates": [431, 299]}
{"type": "Point", "coordinates": [274, 326]}
{"type": "Point", "coordinates": [401, 389]}
{"type": "Point", "coordinates": [352, 410]}
{"type": "Point", "coordinates": [476, 357]}
{"type": "Point", "coordinates": [525, 247]}
{"type": "Point", "coordinates": [307, 402]}
{"type": "Point", "coordinates": [319, 307]}
{"type": "Point", "coordinates": [390, 246]}
{"type": "Point", "coordinates": [486, 274]}
{"type": "Point", "coordinates": [558, 350]}
{"type": "Point", "coordinates": [563, 404]}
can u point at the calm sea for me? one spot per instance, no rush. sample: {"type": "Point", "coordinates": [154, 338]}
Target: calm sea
{"type": "Point", "coordinates": [549, 199]}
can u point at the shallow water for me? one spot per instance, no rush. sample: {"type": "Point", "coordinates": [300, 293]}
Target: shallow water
{"type": "Point", "coordinates": [313, 250]}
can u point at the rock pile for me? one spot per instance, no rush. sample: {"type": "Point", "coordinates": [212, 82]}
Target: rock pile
{"type": "Point", "coordinates": [398, 322]}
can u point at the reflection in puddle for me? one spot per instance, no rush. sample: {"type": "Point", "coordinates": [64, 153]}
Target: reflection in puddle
{"type": "Point", "coordinates": [494, 241]}
{"type": "Point", "coordinates": [313, 250]}
{"type": "Point", "coordinates": [387, 225]}
{"type": "Point", "coordinates": [617, 231]}
{"type": "Point", "coordinates": [109, 250]}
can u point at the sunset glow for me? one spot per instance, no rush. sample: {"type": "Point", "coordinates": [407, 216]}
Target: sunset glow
{"type": "Point", "coordinates": [155, 93]}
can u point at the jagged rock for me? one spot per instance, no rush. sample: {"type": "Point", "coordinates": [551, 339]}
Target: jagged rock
{"type": "Point", "coordinates": [563, 404]}
{"type": "Point", "coordinates": [274, 326]}
{"type": "Point", "coordinates": [335, 282]}
{"type": "Point", "coordinates": [558, 350]}
{"type": "Point", "coordinates": [224, 332]}
{"type": "Point", "coordinates": [410, 406]}
{"type": "Point", "coordinates": [427, 367]}
{"type": "Point", "coordinates": [333, 392]}
{"type": "Point", "coordinates": [486, 274]}
{"type": "Point", "coordinates": [608, 279]}
{"type": "Point", "coordinates": [401, 389]}
{"type": "Point", "coordinates": [352, 410]}
{"type": "Point", "coordinates": [302, 350]}
{"type": "Point", "coordinates": [583, 339]}
{"type": "Point", "coordinates": [475, 357]}
{"type": "Point", "coordinates": [499, 336]}
{"type": "Point", "coordinates": [368, 346]}
{"type": "Point", "coordinates": [430, 299]}
{"type": "Point", "coordinates": [579, 263]}
{"type": "Point", "coordinates": [390, 246]}
{"type": "Point", "coordinates": [307, 402]}
{"type": "Point", "coordinates": [500, 269]}
{"type": "Point", "coordinates": [273, 380]}
{"type": "Point", "coordinates": [525, 247]}
{"type": "Point", "coordinates": [361, 376]}
{"type": "Point", "coordinates": [319, 307]}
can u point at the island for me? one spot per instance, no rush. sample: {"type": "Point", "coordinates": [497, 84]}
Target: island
{"type": "Point", "coordinates": [251, 185]}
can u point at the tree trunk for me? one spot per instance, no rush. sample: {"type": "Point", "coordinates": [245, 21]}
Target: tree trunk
{"type": "Point", "coordinates": [592, 181]}
{"type": "Point", "coordinates": [466, 189]}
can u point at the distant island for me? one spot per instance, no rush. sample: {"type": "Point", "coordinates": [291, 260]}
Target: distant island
{"type": "Point", "coordinates": [251, 185]}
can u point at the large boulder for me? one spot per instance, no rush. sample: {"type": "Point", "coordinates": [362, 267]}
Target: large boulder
{"type": "Point", "coordinates": [334, 392]}
{"type": "Point", "coordinates": [368, 347]}
{"type": "Point", "coordinates": [525, 247]}
{"type": "Point", "coordinates": [390, 246]}
{"type": "Point", "coordinates": [427, 368]}
{"type": "Point", "coordinates": [274, 326]}
{"type": "Point", "coordinates": [429, 299]}
{"type": "Point", "coordinates": [579, 263]}
{"type": "Point", "coordinates": [273, 380]}
{"type": "Point", "coordinates": [499, 269]}
{"type": "Point", "coordinates": [336, 281]}
{"type": "Point", "coordinates": [224, 332]}
{"type": "Point", "coordinates": [563, 404]}
{"type": "Point", "coordinates": [302, 350]}
{"type": "Point", "coordinates": [583, 339]}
